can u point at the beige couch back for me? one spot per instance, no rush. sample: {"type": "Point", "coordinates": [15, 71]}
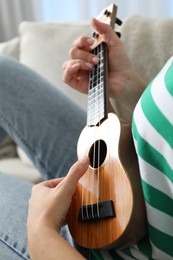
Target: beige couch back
{"type": "Point", "coordinates": [45, 46]}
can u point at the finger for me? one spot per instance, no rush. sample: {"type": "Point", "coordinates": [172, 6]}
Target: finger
{"type": "Point", "coordinates": [72, 64]}
{"type": "Point", "coordinates": [78, 169]}
{"type": "Point", "coordinates": [106, 30]}
{"type": "Point", "coordinates": [75, 173]}
{"type": "Point", "coordinates": [75, 73]}
{"type": "Point", "coordinates": [71, 74]}
{"type": "Point", "coordinates": [83, 42]}
{"type": "Point", "coordinates": [76, 53]}
{"type": "Point", "coordinates": [51, 183]}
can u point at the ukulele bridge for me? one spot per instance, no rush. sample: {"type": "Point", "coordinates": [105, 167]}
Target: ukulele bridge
{"type": "Point", "coordinates": [96, 212]}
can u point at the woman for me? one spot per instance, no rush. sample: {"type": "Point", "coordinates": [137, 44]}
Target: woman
{"type": "Point", "coordinates": [50, 200]}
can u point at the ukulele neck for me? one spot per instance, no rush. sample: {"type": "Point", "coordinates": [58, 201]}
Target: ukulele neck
{"type": "Point", "coordinates": [97, 94]}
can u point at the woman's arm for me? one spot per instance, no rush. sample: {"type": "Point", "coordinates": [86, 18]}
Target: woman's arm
{"type": "Point", "coordinates": [125, 85]}
{"type": "Point", "coordinates": [48, 207]}
{"type": "Point", "coordinates": [46, 243]}
{"type": "Point", "coordinates": [124, 104]}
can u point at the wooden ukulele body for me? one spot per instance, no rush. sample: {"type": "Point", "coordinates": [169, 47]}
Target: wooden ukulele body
{"type": "Point", "coordinates": [107, 180]}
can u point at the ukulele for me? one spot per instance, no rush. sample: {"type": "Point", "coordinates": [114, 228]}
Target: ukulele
{"type": "Point", "coordinates": [107, 209]}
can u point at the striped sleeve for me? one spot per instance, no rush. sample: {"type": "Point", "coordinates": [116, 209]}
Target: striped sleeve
{"type": "Point", "coordinates": [153, 136]}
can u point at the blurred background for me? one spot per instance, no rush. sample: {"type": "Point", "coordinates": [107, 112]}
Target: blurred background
{"type": "Point", "coordinates": [12, 12]}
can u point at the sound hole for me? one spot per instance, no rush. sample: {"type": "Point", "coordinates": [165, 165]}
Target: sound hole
{"type": "Point", "coordinates": [97, 153]}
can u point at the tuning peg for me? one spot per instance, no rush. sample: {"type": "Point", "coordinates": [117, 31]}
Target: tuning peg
{"type": "Point", "coordinates": [118, 34]}
{"type": "Point", "coordinates": [107, 13]}
{"type": "Point", "coordinates": [95, 35]}
{"type": "Point", "coordinates": [118, 21]}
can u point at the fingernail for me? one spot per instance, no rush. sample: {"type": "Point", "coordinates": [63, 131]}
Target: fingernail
{"type": "Point", "coordinates": [89, 65]}
{"type": "Point", "coordinates": [90, 41]}
{"type": "Point", "coordinates": [75, 65]}
{"type": "Point", "coordinates": [95, 59]}
{"type": "Point", "coordinates": [84, 160]}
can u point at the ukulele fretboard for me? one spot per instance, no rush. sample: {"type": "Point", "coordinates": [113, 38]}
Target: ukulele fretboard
{"type": "Point", "coordinates": [97, 88]}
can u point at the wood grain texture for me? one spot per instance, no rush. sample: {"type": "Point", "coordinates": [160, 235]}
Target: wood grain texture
{"type": "Point", "coordinates": [109, 182]}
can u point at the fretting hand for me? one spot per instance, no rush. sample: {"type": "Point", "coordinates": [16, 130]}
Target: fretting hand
{"type": "Point", "coordinates": [124, 84]}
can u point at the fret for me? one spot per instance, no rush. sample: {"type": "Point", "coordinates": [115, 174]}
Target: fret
{"type": "Point", "coordinates": [97, 113]}
{"type": "Point", "coordinates": [97, 88]}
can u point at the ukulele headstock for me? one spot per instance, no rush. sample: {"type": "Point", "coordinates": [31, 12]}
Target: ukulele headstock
{"type": "Point", "coordinates": [107, 16]}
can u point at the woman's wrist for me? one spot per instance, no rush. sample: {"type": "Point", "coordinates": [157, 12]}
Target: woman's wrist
{"type": "Point", "coordinates": [47, 243]}
{"type": "Point", "coordinates": [125, 98]}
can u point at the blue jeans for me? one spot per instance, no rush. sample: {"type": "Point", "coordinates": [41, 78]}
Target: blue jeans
{"type": "Point", "coordinates": [46, 124]}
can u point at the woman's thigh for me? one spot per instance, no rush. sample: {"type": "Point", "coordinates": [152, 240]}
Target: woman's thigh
{"type": "Point", "coordinates": [39, 118]}
{"type": "Point", "coordinates": [14, 195]}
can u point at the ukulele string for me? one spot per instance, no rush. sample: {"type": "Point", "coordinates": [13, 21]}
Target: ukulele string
{"type": "Point", "coordinates": [99, 82]}
{"type": "Point", "coordinates": [96, 154]}
{"type": "Point", "coordinates": [91, 170]}
{"type": "Point", "coordinates": [94, 103]}
{"type": "Point", "coordinates": [85, 193]}
{"type": "Point", "coordinates": [95, 94]}
{"type": "Point", "coordinates": [91, 84]}
{"type": "Point", "coordinates": [94, 110]}
{"type": "Point", "coordinates": [82, 211]}
{"type": "Point", "coordinates": [100, 86]}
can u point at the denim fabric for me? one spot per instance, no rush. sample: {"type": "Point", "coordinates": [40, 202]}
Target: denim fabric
{"type": "Point", "coordinates": [14, 196]}
{"type": "Point", "coordinates": [39, 118]}
{"type": "Point", "coordinates": [46, 124]}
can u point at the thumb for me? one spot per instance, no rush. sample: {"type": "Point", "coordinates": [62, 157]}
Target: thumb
{"type": "Point", "coordinates": [78, 169]}
{"type": "Point", "coordinates": [75, 173]}
{"type": "Point", "coordinates": [104, 29]}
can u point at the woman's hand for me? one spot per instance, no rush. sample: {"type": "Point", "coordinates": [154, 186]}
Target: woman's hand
{"type": "Point", "coordinates": [48, 207]}
{"type": "Point", "coordinates": [50, 200]}
{"type": "Point", "coordinates": [77, 68]}
{"type": "Point", "coordinates": [125, 86]}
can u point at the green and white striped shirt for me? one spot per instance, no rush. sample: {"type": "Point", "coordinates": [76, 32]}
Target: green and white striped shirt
{"type": "Point", "coordinates": [152, 128]}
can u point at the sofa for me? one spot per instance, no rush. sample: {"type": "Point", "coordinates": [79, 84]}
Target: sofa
{"type": "Point", "coordinates": [45, 46]}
